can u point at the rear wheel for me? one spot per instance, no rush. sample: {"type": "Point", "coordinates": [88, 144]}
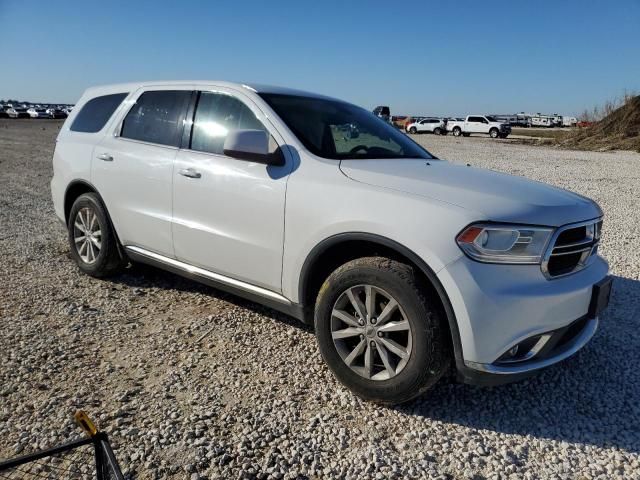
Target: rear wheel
{"type": "Point", "coordinates": [413, 130]}
{"type": "Point", "coordinates": [437, 131]}
{"type": "Point", "coordinates": [457, 131]}
{"type": "Point", "coordinates": [92, 240]}
{"type": "Point", "coordinates": [379, 334]}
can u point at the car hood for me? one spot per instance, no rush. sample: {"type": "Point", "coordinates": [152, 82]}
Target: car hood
{"type": "Point", "coordinates": [493, 196]}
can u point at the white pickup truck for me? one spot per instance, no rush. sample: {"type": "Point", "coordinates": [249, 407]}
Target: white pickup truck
{"type": "Point", "coordinates": [479, 124]}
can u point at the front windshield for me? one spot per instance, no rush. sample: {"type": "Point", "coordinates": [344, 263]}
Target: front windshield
{"type": "Point", "coordinates": [491, 119]}
{"type": "Point", "coordinates": [338, 130]}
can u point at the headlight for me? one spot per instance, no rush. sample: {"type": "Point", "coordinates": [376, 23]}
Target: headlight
{"type": "Point", "coordinates": [495, 243]}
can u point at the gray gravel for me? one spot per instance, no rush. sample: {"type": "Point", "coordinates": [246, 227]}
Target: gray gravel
{"type": "Point", "coordinates": [253, 399]}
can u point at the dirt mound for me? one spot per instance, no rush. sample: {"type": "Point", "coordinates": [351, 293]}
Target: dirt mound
{"type": "Point", "coordinates": [620, 130]}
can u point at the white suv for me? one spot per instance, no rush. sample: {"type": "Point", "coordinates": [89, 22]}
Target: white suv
{"type": "Point", "coordinates": [431, 125]}
{"type": "Point", "coordinates": [406, 264]}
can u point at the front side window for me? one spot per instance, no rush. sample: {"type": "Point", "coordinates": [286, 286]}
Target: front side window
{"type": "Point", "coordinates": [216, 115]}
{"type": "Point", "coordinates": [93, 116]}
{"type": "Point", "coordinates": [157, 117]}
{"type": "Point", "coordinates": [338, 130]}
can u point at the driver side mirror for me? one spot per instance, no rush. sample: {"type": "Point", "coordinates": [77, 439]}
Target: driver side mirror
{"type": "Point", "coordinates": [251, 145]}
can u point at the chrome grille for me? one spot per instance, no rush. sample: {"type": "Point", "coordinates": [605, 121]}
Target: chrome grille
{"type": "Point", "coordinates": [571, 248]}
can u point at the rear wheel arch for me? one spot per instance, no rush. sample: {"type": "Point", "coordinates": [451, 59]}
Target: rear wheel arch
{"type": "Point", "coordinates": [74, 190]}
{"type": "Point", "coordinates": [79, 187]}
{"type": "Point", "coordinates": [334, 251]}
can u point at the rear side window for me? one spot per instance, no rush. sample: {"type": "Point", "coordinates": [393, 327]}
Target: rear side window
{"type": "Point", "coordinates": [96, 112]}
{"type": "Point", "coordinates": [216, 115]}
{"type": "Point", "coordinates": [157, 117]}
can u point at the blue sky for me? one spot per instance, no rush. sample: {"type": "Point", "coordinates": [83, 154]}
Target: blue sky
{"type": "Point", "coordinates": [418, 57]}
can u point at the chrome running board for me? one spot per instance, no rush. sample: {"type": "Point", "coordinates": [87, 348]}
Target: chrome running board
{"type": "Point", "coordinates": [197, 273]}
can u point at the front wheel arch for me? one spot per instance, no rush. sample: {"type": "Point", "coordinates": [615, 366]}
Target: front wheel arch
{"type": "Point", "coordinates": [341, 248]}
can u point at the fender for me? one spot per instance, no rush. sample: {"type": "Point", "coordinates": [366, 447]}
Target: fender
{"type": "Point", "coordinates": [402, 250]}
{"type": "Point", "coordinates": [90, 187]}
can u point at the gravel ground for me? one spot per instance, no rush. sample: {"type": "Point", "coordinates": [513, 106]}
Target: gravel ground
{"type": "Point", "coordinates": [252, 399]}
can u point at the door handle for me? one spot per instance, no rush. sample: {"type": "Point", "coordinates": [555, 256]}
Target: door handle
{"type": "Point", "coordinates": [106, 157]}
{"type": "Point", "coordinates": [189, 172]}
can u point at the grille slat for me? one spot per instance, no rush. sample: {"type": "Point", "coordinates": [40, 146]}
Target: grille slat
{"type": "Point", "coordinates": [572, 248]}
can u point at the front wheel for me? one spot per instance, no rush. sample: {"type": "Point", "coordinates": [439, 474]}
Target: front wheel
{"type": "Point", "coordinates": [93, 242]}
{"type": "Point", "coordinates": [493, 133]}
{"type": "Point", "coordinates": [413, 130]}
{"type": "Point", "coordinates": [379, 334]}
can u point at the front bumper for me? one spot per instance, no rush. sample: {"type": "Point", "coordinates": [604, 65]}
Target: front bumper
{"type": "Point", "coordinates": [500, 306]}
{"type": "Point", "coordinates": [565, 342]}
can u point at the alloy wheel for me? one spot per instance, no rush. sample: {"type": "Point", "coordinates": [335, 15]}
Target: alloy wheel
{"type": "Point", "coordinates": [371, 332]}
{"type": "Point", "coordinates": [87, 235]}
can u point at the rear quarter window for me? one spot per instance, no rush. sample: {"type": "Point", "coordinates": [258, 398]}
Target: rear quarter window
{"type": "Point", "coordinates": [96, 112]}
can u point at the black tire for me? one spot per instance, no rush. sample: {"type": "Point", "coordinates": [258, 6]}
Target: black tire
{"type": "Point", "coordinates": [494, 133]}
{"type": "Point", "coordinates": [429, 356]}
{"type": "Point", "coordinates": [108, 260]}
{"type": "Point", "coordinates": [457, 131]}
{"type": "Point", "coordinates": [437, 131]}
{"type": "Point", "coordinates": [413, 130]}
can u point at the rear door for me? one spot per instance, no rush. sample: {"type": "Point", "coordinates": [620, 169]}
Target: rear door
{"type": "Point", "coordinates": [228, 214]}
{"type": "Point", "coordinates": [132, 167]}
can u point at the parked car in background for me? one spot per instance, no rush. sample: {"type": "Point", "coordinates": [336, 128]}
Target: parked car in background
{"type": "Point", "coordinates": [569, 121]}
{"type": "Point", "coordinates": [56, 113]}
{"type": "Point", "coordinates": [406, 265]}
{"type": "Point", "coordinates": [383, 112]}
{"type": "Point", "coordinates": [38, 113]}
{"type": "Point", "coordinates": [479, 124]}
{"type": "Point", "coordinates": [17, 112]}
{"type": "Point", "coordinates": [428, 125]}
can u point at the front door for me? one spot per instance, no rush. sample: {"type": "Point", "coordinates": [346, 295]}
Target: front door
{"type": "Point", "coordinates": [228, 214]}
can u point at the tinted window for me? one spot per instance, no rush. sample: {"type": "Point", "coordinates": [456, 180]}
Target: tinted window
{"type": "Point", "coordinates": [96, 112]}
{"type": "Point", "coordinates": [338, 130]}
{"type": "Point", "coordinates": [475, 119]}
{"type": "Point", "coordinates": [217, 114]}
{"type": "Point", "coordinates": [157, 117]}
